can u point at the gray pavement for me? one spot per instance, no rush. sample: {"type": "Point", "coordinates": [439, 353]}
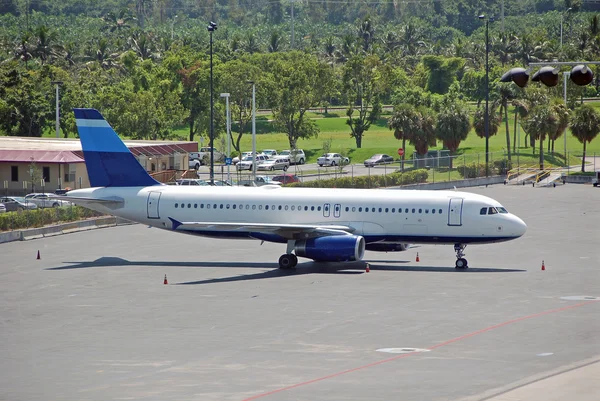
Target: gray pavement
{"type": "Point", "coordinates": [92, 319]}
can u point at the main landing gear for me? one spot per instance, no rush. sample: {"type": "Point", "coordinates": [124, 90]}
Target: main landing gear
{"type": "Point", "coordinates": [461, 263]}
{"type": "Point", "coordinates": [288, 260]}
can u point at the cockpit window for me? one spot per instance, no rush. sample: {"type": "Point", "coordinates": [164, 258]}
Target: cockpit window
{"type": "Point", "coordinates": [483, 210]}
{"type": "Point", "coordinates": [502, 210]}
{"type": "Point", "coordinates": [492, 210]}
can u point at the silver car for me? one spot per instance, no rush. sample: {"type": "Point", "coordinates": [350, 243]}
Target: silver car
{"type": "Point", "coordinates": [332, 159]}
{"type": "Point", "coordinates": [246, 162]}
{"type": "Point", "coordinates": [274, 164]}
{"type": "Point", "coordinates": [16, 203]}
{"type": "Point", "coordinates": [2, 208]}
{"type": "Point", "coordinates": [42, 200]}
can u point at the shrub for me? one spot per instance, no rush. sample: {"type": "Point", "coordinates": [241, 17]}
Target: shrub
{"type": "Point", "coordinates": [42, 217]}
{"type": "Point", "coordinates": [374, 181]}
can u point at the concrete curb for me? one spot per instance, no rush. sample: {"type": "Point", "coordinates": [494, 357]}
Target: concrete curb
{"type": "Point", "coordinates": [59, 229]}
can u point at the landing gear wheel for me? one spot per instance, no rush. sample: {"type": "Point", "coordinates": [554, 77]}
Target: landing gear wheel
{"type": "Point", "coordinates": [288, 261]}
{"type": "Point", "coordinates": [461, 263]}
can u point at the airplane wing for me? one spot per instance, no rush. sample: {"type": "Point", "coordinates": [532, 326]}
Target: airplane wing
{"type": "Point", "coordinates": [288, 231]}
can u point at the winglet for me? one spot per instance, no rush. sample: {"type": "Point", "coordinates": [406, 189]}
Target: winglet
{"type": "Point", "coordinates": [176, 223]}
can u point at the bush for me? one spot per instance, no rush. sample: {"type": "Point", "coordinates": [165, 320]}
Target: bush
{"type": "Point", "coordinates": [374, 181]}
{"type": "Point", "coordinates": [41, 217]}
{"type": "Point", "coordinates": [502, 166]}
{"type": "Point", "coordinates": [472, 170]}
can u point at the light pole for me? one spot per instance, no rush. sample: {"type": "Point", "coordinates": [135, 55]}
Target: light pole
{"type": "Point", "coordinates": [172, 24]}
{"type": "Point", "coordinates": [487, 94]}
{"type": "Point", "coordinates": [57, 83]}
{"type": "Point", "coordinates": [211, 28]}
{"type": "Point", "coordinates": [253, 129]}
{"type": "Point", "coordinates": [562, 16]}
{"type": "Point", "coordinates": [228, 118]}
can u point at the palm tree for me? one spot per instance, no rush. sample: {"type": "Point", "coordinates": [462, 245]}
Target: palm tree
{"type": "Point", "coordinates": [453, 125]}
{"type": "Point", "coordinates": [274, 42]}
{"type": "Point", "coordinates": [366, 34]}
{"type": "Point", "coordinates": [585, 126]}
{"type": "Point", "coordinates": [117, 22]}
{"type": "Point", "coordinates": [563, 114]}
{"type": "Point", "coordinates": [404, 122]}
{"type": "Point", "coordinates": [44, 48]}
{"type": "Point", "coordinates": [506, 92]}
{"type": "Point", "coordinates": [479, 121]}
{"type": "Point", "coordinates": [541, 122]}
{"type": "Point", "coordinates": [424, 137]}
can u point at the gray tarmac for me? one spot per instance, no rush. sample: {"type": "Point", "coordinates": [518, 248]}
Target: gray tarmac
{"type": "Point", "coordinates": [92, 320]}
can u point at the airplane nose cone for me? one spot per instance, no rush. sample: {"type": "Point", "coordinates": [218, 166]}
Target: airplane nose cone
{"type": "Point", "coordinates": [519, 227]}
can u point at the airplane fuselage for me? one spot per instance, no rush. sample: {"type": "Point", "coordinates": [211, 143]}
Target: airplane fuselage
{"type": "Point", "coordinates": [389, 216]}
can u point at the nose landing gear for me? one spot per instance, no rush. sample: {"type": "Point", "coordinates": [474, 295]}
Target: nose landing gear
{"type": "Point", "coordinates": [461, 263]}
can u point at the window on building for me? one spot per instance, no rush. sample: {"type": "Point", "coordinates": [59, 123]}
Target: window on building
{"type": "Point", "coordinates": [14, 173]}
{"type": "Point", "coordinates": [46, 173]}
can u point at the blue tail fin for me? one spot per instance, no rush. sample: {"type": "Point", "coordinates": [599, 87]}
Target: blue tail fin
{"type": "Point", "coordinates": [109, 163]}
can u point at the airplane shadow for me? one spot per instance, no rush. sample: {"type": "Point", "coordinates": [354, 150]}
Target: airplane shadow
{"type": "Point", "coordinates": [272, 269]}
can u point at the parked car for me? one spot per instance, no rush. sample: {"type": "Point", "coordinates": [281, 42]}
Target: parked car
{"type": "Point", "coordinates": [296, 156]}
{"type": "Point", "coordinates": [246, 162]}
{"type": "Point", "coordinates": [378, 159]}
{"type": "Point", "coordinates": [286, 178]}
{"type": "Point", "coordinates": [332, 159]}
{"type": "Point", "coordinates": [2, 208]}
{"type": "Point", "coordinates": [269, 152]}
{"type": "Point", "coordinates": [259, 182]}
{"type": "Point", "coordinates": [275, 163]}
{"type": "Point", "coordinates": [197, 159]}
{"type": "Point", "coordinates": [16, 203]}
{"type": "Point", "coordinates": [43, 200]}
{"type": "Point", "coordinates": [237, 159]}
{"type": "Point", "coordinates": [219, 183]}
{"type": "Point", "coordinates": [191, 181]}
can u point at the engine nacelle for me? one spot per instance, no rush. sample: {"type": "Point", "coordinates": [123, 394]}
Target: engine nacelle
{"type": "Point", "coordinates": [334, 248]}
{"type": "Point", "coordinates": [386, 247]}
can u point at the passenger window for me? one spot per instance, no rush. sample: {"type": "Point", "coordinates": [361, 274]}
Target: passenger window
{"type": "Point", "coordinates": [189, 205]}
{"type": "Point", "coordinates": [234, 206]}
{"type": "Point", "coordinates": [483, 210]}
{"type": "Point", "coordinates": [195, 206]}
{"type": "Point", "coordinates": [247, 207]}
{"type": "Point", "coordinates": [432, 211]}
{"type": "Point", "coordinates": [319, 208]}
{"type": "Point", "coordinates": [293, 207]}
{"type": "Point", "coordinates": [253, 207]}
{"type": "Point", "coordinates": [279, 207]}
{"type": "Point", "coordinates": [354, 208]}
{"type": "Point", "coordinates": [413, 210]}
{"type": "Point", "coordinates": [272, 207]}
{"type": "Point", "coordinates": [380, 210]}
{"type": "Point", "coordinates": [221, 206]}
{"type": "Point", "coordinates": [387, 210]}
{"type": "Point", "coordinates": [393, 210]}
{"type": "Point", "coordinates": [202, 206]}
{"type": "Point", "coordinates": [420, 210]}
{"type": "Point", "coordinates": [208, 205]}
{"type": "Point", "coordinates": [360, 209]}
{"type": "Point", "coordinates": [286, 207]}
{"type": "Point", "coordinates": [426, 211]}
{"type": "Point", "coordinates": [347, 209]}
{"type": "Point", "coordinates": [266, 207]}
{"type": "Point", "coordinates": [366, 209]}
{"type": "Point", "coordinates": [215, 206]}
{"type": "Point", "coordinates": [227, 206]}
{"type": "Point", "coordinates": [259, 207]}
{"type": "Point", "coordinates": [176, 205]}
{"type": "Point", "coordinates": [440, 211]}
{"type": "Point", "coordinates": [406, 210]}
{"type": "Point", "coordinates": [306, 208]}
{"type": "Point", "coordinates": [492, 210]}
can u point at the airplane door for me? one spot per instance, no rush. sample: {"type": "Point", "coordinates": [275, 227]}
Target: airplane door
{"type": "Point", "coordinates": [455, 212]}
{"type": "Point", "coordinates": [337, 209]}
{"type": "Point", "coordinates": [153, 199]}
{"type": "Point", "coordinates": [326, 209]}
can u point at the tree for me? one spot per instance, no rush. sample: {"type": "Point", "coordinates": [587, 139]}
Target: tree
{"type": "Point", "coordinates": [296, 85]}
{"type": "Point", "coordinates": [563, 114]}
{"type": "Point", "coordinates": [424, 137]}
{"type": "Point", "coordinates": [541, 121]}
{"type": "Point", "coordinates": [362, 83]}
{"type": "Point", "coordinates": [404, 122]}
{"type": "Point", "coordinates": [585, 126]}
{"type": "Point", "coordinates": [453, 125]}
{"type": "Point", "coordinates": [441, 72]}
{"type": "Point", "coordinates": [506, 93]}
{"type": "Point", "coordinates": [479, 121]}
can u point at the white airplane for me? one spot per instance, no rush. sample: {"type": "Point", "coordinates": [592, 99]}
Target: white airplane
{"type": "Point", "coordinates": [330, 225]}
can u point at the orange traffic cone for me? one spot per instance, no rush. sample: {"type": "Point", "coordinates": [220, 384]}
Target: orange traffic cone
{"type": "Point", "coordinates": [38, 255]}
{"type": "Point", "coordinates": [543, 266]}
{"type": "Point", "coordinates": [418, 260]}
{"type": "Point", "coordinates": [368, 269]}
{"type": "Point", "coordinates": [165, 282]}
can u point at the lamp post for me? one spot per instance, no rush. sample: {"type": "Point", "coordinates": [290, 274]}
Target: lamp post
{"type": "Point", "coordinates": [211, 28]}
{"type": "Point", "coordinates": [57, 83]}
{"type": "Point", "coordinates": [562, 16]}
{"type": "Point", "coordinates": [487, 94]}
{"type": "Point", "coordinates": [253, 129]}
{"type": "Point", "coordinates": [228, 118]}
{"type": "Point", "coordinates": [172, 24]}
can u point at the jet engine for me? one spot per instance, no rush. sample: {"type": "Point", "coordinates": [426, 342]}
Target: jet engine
{"type": "Point", "coordinates": [335, 248]}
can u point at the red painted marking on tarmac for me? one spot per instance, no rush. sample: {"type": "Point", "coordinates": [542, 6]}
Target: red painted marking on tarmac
{"type": "Point", "coordinates": [475, 333]}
